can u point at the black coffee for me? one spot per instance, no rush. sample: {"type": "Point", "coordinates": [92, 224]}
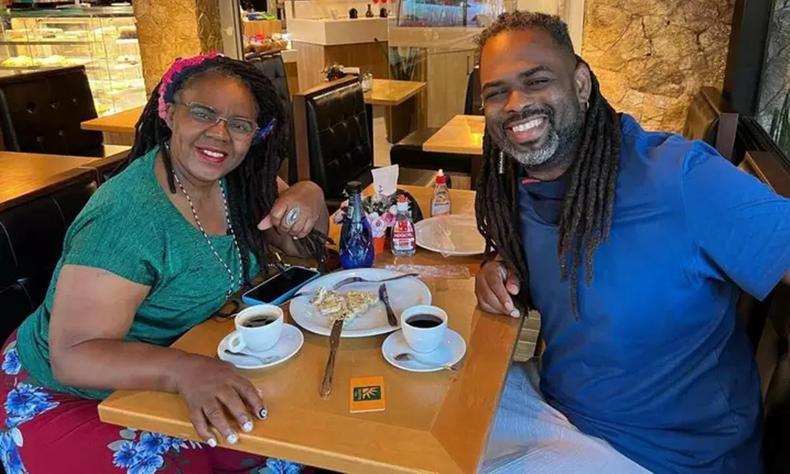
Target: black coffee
{"type": "Point", "coordinates": [424, 321]}
{"type": "Point", "coordinates": [258, 321]}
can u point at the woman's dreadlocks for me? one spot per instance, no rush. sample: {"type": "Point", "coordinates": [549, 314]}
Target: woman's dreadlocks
{"type": "Point", "coordinates": [586, 215]}
{"type": "Point", "coordinates": [252, 186]}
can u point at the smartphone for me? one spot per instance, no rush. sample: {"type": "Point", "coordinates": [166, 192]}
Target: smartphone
{"type": "Point", "coordinates": [280, 287]}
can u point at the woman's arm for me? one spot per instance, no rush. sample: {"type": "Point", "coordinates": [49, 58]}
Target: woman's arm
{"type": "Point", "coordinates": [313, 214]}
{"type": "Point", "coordinates": [93, 310]}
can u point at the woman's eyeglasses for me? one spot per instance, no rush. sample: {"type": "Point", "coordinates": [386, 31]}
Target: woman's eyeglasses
{"type": "Point", "coordinates": [237, 126]}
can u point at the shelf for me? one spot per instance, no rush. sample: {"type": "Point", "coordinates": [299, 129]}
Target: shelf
{"type": "Point", "coordinates": [52, 42]}
{"type": "Point", "coordinates": [126, 41]}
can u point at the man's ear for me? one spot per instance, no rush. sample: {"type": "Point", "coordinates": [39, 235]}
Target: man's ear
{"type": "Point", "coordinates": [582, 82]}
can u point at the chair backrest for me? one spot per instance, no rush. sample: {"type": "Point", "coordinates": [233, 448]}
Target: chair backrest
{"type": "Point", "coordinates": [31, 242]}
{"type": "Point", "coordinates": [712, 120]}
{"type": "Point", "coordinates": [474, 102]}
{"type": "Point", "coordinates": [41, 112]}
{"type": "Point", "coordinates": [273, 67]}
{"type": "Point", "coordinates": [337, 147]}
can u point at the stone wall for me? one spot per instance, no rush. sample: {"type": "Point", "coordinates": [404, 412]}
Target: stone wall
{"type": "Point", "coordinates": [167, 30]}
{"type": "Point", "coordinates": [652, 56]}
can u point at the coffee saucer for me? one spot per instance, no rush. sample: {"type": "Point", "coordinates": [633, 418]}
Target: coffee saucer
{"type": "Point", "coordinates": [449, 352]}
{"type": "Point", "coordinates": [287, 346]}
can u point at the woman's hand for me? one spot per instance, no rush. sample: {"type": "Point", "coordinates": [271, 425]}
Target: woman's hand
{"type": "Point", "coordinates": [297, 211]}
{"type": "Point", "coordinates": [494, 286]}
{"type": "Point", "coordinates": [211, 389]}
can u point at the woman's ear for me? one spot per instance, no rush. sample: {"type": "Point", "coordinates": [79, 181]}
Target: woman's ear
{"type": "Point", "coordinates": [171, 110]}
{"type": "Point", "coordinates": [583, 84]}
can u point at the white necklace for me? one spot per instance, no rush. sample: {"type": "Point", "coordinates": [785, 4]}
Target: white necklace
{"type": "Point", "coordinates": [232, 287]}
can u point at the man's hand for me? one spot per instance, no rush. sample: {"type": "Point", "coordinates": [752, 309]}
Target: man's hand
{"type": "Point", "coordinates": [494, 286]}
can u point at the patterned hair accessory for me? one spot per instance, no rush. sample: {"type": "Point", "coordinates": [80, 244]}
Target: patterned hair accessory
{"type": "Point", "coordinates": [265, 131]}
{"type": "Point", "coordinates": [176, 69]}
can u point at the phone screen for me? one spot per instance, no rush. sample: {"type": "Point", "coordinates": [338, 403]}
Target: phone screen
{"type": "Point", "coordinates": [280, 284]}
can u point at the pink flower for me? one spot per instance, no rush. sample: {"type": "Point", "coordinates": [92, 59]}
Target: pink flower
{"type": "Point", "coordinates": [388, 218]}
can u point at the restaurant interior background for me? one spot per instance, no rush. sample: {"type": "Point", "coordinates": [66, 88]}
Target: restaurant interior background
{"type": "Point", "coordinates": [717, 70]}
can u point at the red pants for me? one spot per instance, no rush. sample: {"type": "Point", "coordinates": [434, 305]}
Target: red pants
{"type": "Point", "coordinates": [43, 431]}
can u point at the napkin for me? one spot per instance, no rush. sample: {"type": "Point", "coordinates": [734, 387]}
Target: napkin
{"type": "Point", "coordinates": [385, 180]}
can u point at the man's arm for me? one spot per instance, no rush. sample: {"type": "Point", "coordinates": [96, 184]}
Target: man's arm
{"type": "Point", "coordinates": [786, 279]}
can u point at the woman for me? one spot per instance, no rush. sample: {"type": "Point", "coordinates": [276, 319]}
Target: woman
{"type": "Point", "coordinates": [156, 250]}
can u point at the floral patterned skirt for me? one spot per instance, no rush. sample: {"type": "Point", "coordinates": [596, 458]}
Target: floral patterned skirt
{"type": "Point", "coordinates": [43, 431]}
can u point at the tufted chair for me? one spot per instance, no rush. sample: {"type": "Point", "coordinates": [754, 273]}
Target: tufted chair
{"type": "Point", "coordinates": [473, 105]}
{"type": "Point", "coordinates": [334, 144]}
{"type": "Point", "coordinates": [272, 66]}
{"type": "Point", "coordinates": [41, 112]}
{"type": "Point", "coordinates": [31, 241]}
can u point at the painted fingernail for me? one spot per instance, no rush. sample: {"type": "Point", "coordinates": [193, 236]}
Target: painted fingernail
{"type": "Point", "coordinates": [212, 442]}
{"type": "Point", "coordinates": [515, 313]}
{"type": "Point", "coordinates": [246, 426]}
{"type": "Point", "coordinates": [232, 438]}
{"type": "Point", "coordinates": [263, 413]}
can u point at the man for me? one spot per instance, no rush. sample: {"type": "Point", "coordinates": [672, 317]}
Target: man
{"type": "Point", "coordinates": [632, 246]}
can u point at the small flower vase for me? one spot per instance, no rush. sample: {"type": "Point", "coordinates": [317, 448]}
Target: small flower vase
{"type": "Point", "coordinates": [379, 244]}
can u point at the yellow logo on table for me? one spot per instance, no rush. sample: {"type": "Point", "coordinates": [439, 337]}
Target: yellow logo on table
{"type": "Point", "coordinates": [367, 394]}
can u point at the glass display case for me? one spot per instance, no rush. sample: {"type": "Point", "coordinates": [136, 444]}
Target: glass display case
{"type": "Point", "coordinates": [103, 39]}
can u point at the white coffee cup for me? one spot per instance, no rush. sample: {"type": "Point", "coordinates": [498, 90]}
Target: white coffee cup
{"type": "Point", "coordinates": [420, 334]}
{"type": "Point", "coordinates": [257, 338]}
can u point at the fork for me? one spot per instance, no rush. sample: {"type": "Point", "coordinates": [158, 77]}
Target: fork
{"type": "Point", "coordinates": [357, 279]}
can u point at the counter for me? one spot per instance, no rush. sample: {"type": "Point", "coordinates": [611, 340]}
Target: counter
{"type": "Point", "coordinates": [360, 42]}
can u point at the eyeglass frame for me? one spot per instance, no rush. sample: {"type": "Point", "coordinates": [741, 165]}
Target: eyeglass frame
{"type": "Point", "coordinates": [219, 118]}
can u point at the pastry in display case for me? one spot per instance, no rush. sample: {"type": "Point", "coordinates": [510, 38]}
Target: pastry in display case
{"type": "Point", "coordinates": [103, 39]}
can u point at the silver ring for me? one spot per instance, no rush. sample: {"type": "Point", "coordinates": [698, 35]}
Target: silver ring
{"type": "Point", "coordinates": [292, 216]}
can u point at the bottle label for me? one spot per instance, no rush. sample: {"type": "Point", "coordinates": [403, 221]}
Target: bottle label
{"type": "Point", "coordinates": [403, 236]}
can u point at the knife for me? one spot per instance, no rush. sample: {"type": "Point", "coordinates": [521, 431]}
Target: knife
{"type": "Point", "coordinates": [334, 342]}
{"type": "Point", "coordinates": [386, 300]}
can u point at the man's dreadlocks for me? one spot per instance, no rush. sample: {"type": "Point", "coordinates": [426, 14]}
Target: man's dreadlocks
{"type": "Point", "coordinates": [586, 215]}
{"type": "Point", "coordinates": [252, 186]}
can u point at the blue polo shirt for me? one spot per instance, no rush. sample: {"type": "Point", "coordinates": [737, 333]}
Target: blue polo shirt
{"type": "Point", "coordinates": [657, 363]}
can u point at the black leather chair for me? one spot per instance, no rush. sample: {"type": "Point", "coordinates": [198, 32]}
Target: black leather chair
{"type": "Point", "coordinates": [408, 152]}
{"type": "Point", "coordinates": [473, 105]}
{"type": "Point", "coordinates": [711, 119]}
{"type": "Point", "coordinates": [31, 242]}
{"type": "Point", "coordinates": [273, 67]}
{"type": "Point", "coordinates": [41, 112]}
{"type": "Point", "coordinates": [336, 147]}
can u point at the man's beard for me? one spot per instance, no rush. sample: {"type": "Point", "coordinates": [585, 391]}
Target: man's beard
{"type": "Point", "coordinates": [557, 148]}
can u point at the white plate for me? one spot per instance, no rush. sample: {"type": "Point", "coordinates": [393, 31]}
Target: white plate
{"type": "Point", "coordinates": [450, 352]}
{"type": "Point", "coordinates": [455, 234]}
{"type": "Point", "coordinates": [403, 293]}
{"type": "Point", "coordinates": [287, 346]}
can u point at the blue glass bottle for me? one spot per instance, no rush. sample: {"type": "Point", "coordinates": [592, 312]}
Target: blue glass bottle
{"type": "Point", "coordinates": [356, 238]}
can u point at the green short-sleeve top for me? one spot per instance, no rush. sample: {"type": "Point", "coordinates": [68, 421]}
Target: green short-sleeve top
{"type": "Point", "coordinates": [130, 227]}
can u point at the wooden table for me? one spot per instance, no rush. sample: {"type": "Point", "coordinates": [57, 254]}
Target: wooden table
{"type": "Point", "coordinates": [26, 175]}
{"type": "Point", "coordinates": [399, 98]}
{"type": "Point", "coordinates": [117, 128]}
{"type": "Point", "coordinates": [463, 134]}
{"type": "Point", "coordinates": [436, 422]}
